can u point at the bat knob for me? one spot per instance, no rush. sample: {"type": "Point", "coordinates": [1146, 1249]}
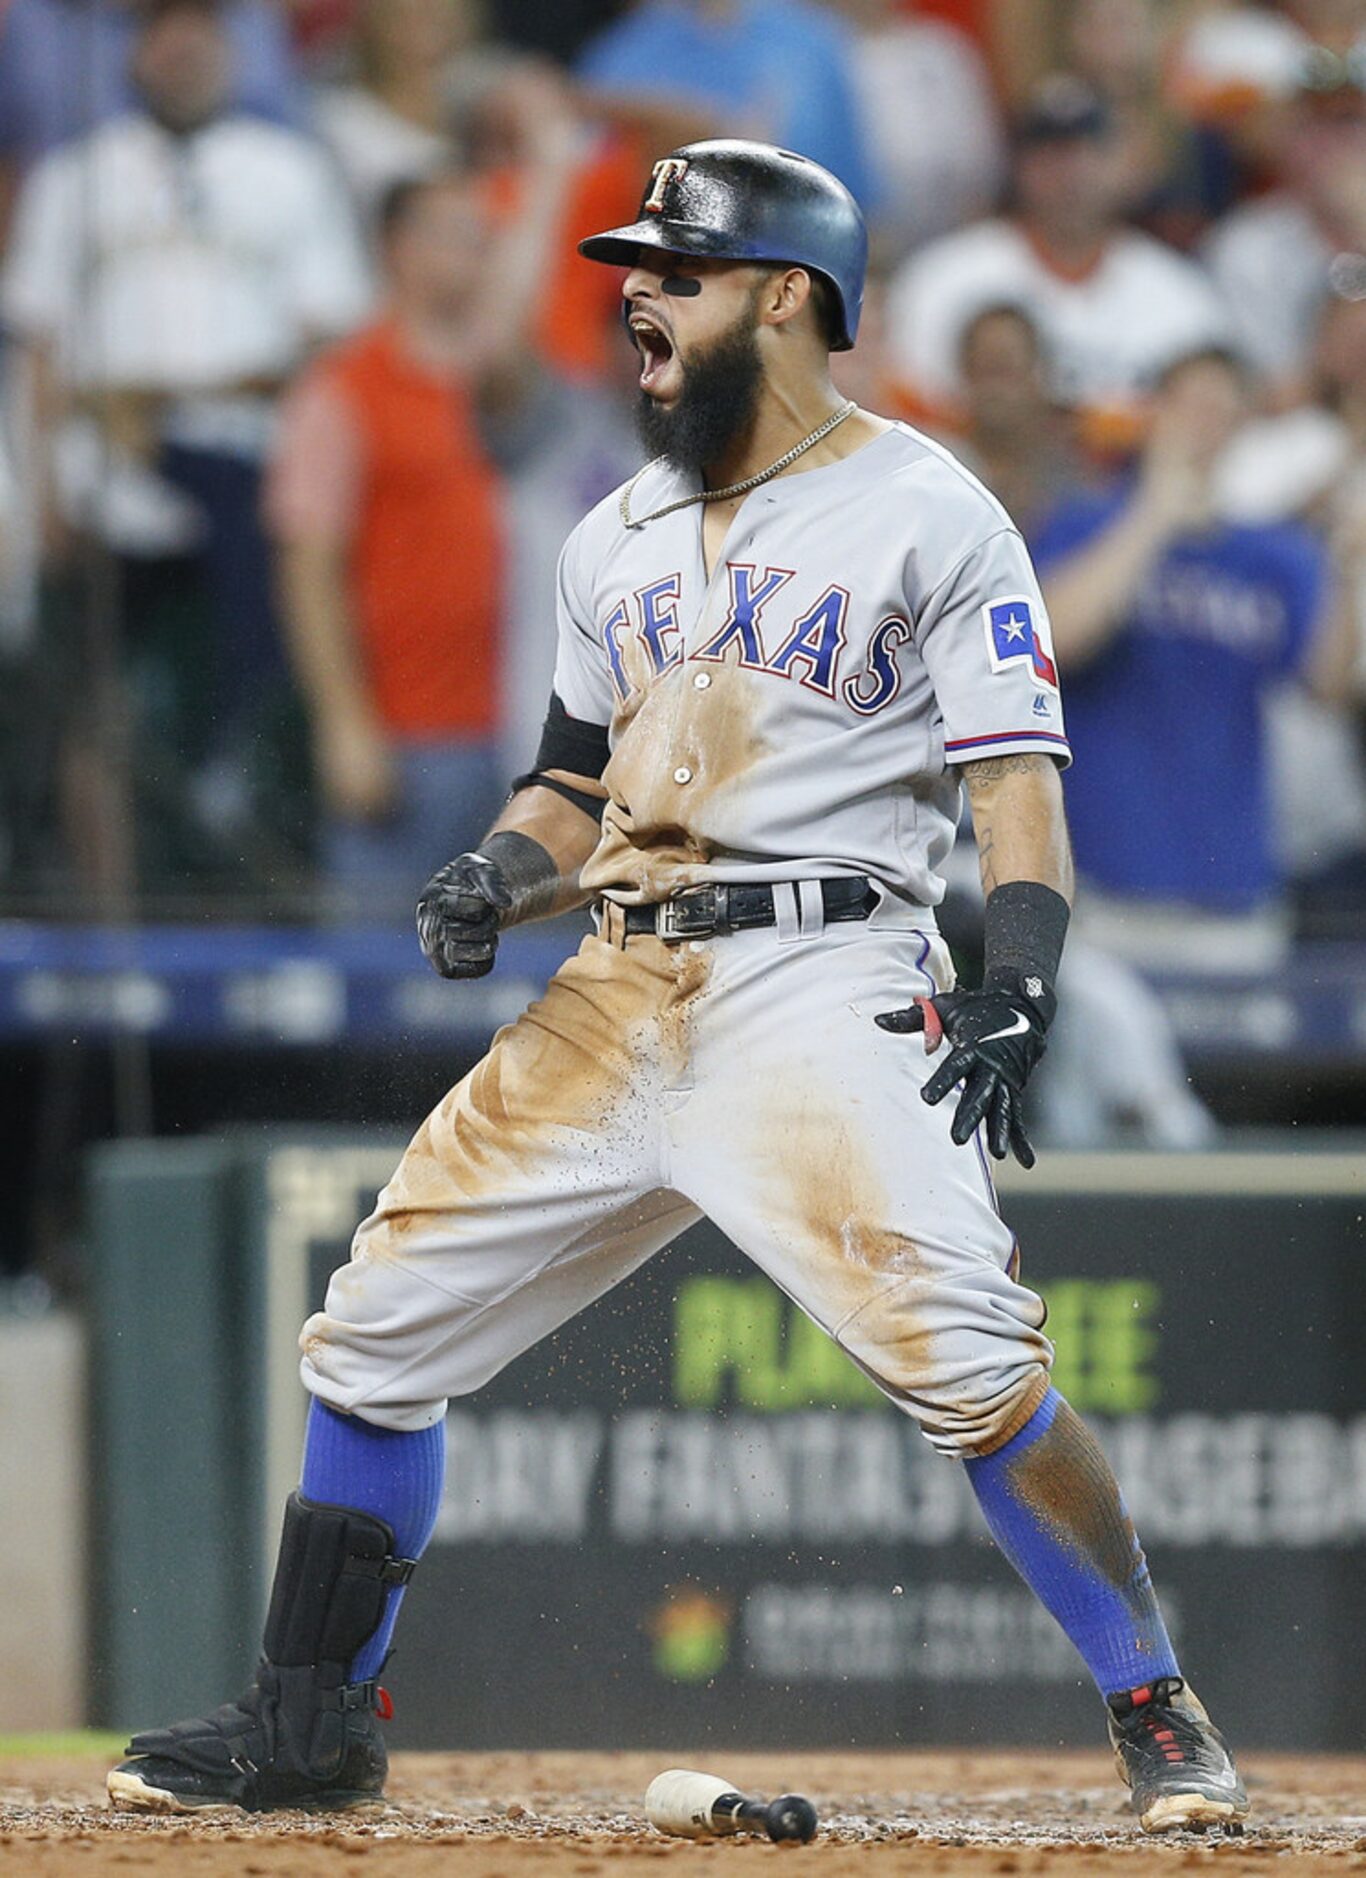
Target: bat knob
{"type": "Point", "coordinates": [790, 1817]}
{"type": "Point", "coordinates": [934, 1026]}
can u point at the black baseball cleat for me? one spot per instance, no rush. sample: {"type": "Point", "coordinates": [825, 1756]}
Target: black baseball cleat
{"type": "Point", "coordinates": [302, 1735]}
{"type": "Point", "coordinates": [1174, 1760]}
{"type": "Point", "coordinates": [288, 1742]}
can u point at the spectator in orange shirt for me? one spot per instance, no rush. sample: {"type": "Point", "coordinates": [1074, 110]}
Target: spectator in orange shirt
{"type": "Point", "coordinates": [427, 87]}
{"type": "Point", "coordinates": [387, 514]}
{"type": "Point", "coordinates": [578, 333]}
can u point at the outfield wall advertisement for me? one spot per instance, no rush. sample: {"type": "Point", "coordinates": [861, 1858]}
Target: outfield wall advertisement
{"type": "Point", "coordinates": [687, 1519]}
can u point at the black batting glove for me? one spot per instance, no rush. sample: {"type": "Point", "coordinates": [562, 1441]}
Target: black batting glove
{"type": "Point", "coordinates": [459, 915]}
{"type": "Point", "coordinates": [996, 1036]}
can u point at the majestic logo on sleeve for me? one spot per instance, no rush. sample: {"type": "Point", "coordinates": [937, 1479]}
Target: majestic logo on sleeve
{"type": "Point", "coordinates": [1016, 631]}
{"type": "Point", "coordinates": [668, 170]}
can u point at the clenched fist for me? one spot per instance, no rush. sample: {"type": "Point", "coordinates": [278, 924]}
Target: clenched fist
{"type": "Point", "coordinates": [459, 915]}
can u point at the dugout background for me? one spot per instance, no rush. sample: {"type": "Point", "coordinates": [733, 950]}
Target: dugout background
{"type": "Point", "coordinates": [688, 1519]}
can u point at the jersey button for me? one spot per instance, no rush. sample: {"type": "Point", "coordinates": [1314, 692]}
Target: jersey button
{"type": "Point", "coordinates": [682, 774]}
{"type": "Point", "coordinates": [702, 680]}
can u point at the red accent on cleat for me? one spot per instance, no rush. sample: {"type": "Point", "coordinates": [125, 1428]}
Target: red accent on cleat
{"type": "Point", "coordinates": [1139, 1696]}
{"type": "Point", "coordinates": [384, 1705]}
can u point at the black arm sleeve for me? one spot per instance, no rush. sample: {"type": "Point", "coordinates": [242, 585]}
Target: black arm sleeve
{"type": "Point", "coordinates": [1026, 924]}
{"type": "Point", "coordinates": [533, 779]}
{"type": "Point", "coordinates": [569, 745]}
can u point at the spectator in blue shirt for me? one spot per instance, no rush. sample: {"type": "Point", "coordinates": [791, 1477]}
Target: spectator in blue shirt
{"type": "Point", "coordinates": [1170, 625]}
{"type": "Point", "coordinates": [779, 70]}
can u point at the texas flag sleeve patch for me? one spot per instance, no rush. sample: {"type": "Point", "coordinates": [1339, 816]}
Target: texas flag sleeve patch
{"type": "Point", "coordinates": [1016, 633]}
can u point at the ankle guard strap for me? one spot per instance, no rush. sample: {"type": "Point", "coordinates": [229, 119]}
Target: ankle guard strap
{"type": "Point", "coordinates": [1162, 1692]}
{"type": "Point", "coordinates": [335, 1570]}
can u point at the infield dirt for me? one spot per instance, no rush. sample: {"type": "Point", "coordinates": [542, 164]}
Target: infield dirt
{"type": "Point", "coordinates": [531, 1815]}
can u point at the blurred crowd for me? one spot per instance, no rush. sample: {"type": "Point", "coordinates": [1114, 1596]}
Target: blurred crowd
{"type": "Point", "coordinates": [303, 385]}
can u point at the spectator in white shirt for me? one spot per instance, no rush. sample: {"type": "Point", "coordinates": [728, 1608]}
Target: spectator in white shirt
{"type": "Point", "coordinates": [391, 121]}
{"type": "Point", "coordinates": [1278, 257]}
{"type": "Point", "coordinates": [181, 250]}
{"type": "Point", "coordinates": [932, 124]}
{"type": "Point", "coordinates": [1114, 305]}
{"type": "Point", "coordinates": [166, 275]}
{"type": "Point", "coordinates": [64, 69]}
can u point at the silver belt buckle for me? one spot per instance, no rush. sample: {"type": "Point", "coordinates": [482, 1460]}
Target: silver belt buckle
{"type": "Point", "coordinates": [696, 913]}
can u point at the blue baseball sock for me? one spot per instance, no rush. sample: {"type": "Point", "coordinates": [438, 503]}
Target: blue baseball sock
{"type": "Point", "coordinates": [1056, 1511]}
{"type": "Point", "coordinates": [393, 1474]}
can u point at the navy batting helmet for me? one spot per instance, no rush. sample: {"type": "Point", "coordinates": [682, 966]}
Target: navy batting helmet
{"type": "Point", "coordinates": [728, 200]}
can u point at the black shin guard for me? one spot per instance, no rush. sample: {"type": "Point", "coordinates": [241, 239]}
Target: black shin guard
{"type": "Point", "coordinates": [302, 1734]}
{"type": "Point", "coordinates": [334, 1574]}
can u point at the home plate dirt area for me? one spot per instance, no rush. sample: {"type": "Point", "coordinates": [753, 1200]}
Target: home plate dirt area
{"type": "Point", "coordinates": [531, 1815]}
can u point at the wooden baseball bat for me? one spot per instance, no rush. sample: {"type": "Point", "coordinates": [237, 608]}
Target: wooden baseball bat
{"type": "Point", "coordinates": [699, 1806]}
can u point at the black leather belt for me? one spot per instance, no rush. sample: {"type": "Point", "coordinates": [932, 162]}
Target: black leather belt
{"type": "Point", "coordinates": [698, 912]}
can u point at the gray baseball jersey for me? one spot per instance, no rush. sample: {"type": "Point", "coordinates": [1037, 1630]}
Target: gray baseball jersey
{"type": "Point", "coordinates": [868, 625]}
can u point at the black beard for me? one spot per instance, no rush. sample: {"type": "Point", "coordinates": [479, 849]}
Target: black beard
{"type": "Point", "coordinates": [715, 408]}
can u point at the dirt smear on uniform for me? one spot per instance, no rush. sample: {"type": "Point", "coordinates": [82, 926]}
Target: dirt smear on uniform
{"type": "Point", "coordinates": [692, 974]}
{"type": "Point", "coordinates": [824, 1185]}
{"type": "Point", "coordinates": [573, 1060]}
{"type": "Point", "coordinates": [1067, 1483]}
{"type": "Point", "coordinates": [868, 1281]}
{"type": "Point", "coordinates": [947, 1813]}
{"type": "Point", "coordinates": [586, 1060]}
{"type": "Point", "coordinates": [658, 832]}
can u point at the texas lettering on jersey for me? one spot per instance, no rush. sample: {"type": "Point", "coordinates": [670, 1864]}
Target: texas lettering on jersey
{"type": "Point", "coordinates": [807, 648]}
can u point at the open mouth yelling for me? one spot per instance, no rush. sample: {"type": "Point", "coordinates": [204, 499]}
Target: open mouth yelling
{"type": "Point", "coordinates": [656, 351]}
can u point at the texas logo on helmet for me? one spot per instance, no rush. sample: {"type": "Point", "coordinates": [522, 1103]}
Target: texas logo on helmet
{"type": "Point", "coordinates": [667, 170]}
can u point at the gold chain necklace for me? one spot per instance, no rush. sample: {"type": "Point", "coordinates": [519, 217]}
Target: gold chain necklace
{"type": "Point", "coordinates": [735, 489]}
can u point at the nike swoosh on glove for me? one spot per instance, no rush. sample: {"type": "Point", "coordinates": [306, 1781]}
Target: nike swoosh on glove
{"type": "Point", "coordinates": [459, 913]}
{"type": "Point", "coordinates": [995, 1038]}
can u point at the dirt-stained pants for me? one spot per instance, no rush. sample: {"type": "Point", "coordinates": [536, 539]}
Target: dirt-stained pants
{"type": "Point", "coordinates": [740, 1077]}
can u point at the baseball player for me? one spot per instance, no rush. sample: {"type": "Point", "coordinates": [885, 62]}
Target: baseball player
{"type": "Point", "coordinates": [784, 647]}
